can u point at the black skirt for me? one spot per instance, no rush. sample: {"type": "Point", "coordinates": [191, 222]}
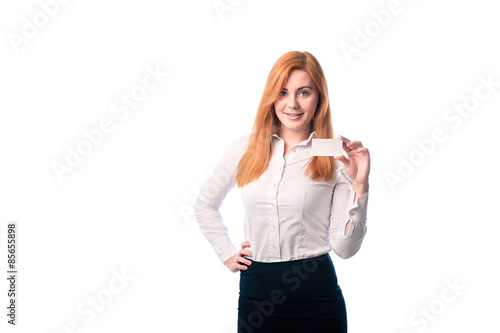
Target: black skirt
{"type": "Point", "coordinates": [291, 296]}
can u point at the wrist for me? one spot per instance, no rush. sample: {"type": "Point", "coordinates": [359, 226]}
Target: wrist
{"type": "Point", "coordinates": [360, 188]}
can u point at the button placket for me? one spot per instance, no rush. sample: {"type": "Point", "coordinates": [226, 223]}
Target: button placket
{"type": "Point", "coordinates": [273, 224]}
{"type": "Point", "coordinates": [272, 197]}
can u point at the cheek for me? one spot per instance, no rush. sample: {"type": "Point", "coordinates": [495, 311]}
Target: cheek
{"type": "Point", "coordinates": [312, 104]}
{"type": "Point", "coordinates": [279, 105]}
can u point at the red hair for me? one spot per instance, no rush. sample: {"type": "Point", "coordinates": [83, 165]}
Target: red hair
{"type": "Point", "coordinates": [258, 154]}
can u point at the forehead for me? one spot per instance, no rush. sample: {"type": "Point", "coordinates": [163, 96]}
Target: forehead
{"type": "Point", "coordinates": [299, 78]}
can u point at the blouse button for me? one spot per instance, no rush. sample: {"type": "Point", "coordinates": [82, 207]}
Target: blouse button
{"type": "Point", "coordinates": [274, 227]}
{"type": "Point", "coordinates": [351, 213]}
{"type": "Point", "coordinates": [274, 247]}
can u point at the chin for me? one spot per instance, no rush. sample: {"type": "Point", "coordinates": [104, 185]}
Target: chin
{"type": "Point", "coordinates": [295, 127]}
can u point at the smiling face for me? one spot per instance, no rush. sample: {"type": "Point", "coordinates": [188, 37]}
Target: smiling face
{"type": "Point", "coordinates": [297, 104]}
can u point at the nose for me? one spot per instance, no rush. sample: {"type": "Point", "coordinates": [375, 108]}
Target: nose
{"type": "Point", "coordinates": [292, 102]}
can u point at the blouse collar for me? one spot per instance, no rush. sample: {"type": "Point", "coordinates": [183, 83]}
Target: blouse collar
{"type": "Point", "coordinates": [305, 142]}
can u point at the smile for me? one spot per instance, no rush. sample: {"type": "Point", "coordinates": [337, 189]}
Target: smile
{"type": "Point", "coordinates": [294, 116]}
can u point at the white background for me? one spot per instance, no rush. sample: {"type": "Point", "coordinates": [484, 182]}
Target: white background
{"type": "Point", "coordinates": [127, 207]}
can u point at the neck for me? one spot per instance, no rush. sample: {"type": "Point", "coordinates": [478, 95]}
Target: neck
{"type": "Point", "coordinates": [291, 138]}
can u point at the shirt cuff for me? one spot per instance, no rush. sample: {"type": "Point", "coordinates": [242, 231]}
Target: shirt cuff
{"type": "Point", "coordinates": [226, 253]}
{"type": "Point", "coordinates": [356, 212]}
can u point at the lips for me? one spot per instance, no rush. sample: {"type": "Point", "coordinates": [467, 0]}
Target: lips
{"type": "Point", "coordinates": [294, 116]}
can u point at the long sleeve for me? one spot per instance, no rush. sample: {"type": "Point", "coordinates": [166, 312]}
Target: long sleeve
{"type": "Point", "coordinates": [210, 198]}
{"type": "Point", "coordinates": [344, 209]}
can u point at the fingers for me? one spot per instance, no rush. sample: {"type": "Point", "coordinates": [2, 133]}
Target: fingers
{"type": "Point", "coordinates": [240, 259]}
{"type": "Point", "coordinates": [342, 159]}
{"type": "Point", "coordinates": [345, 141]}
{"type": "Point", "coordinates": [242, 253]}
{"type": "Point", "coordinates": [237, 262]}
{"type": "Point", "coordinates": [363, 150]}
{"type": "Point", "coordinates": [349, 145]}
{"type": "Point", "coordinates": [242, 263]}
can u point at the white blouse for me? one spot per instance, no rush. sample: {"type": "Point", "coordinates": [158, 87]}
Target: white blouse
{"type": "Point", "coordinates": [288, 216]}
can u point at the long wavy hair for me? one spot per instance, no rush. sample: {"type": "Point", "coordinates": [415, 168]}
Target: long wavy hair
{"type": "Point", "coordinates": [255, 160]}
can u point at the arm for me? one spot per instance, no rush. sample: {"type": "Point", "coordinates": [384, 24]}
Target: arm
{"type": "Point", "coordinates": [360, 190]}
{"type": "Point", "coordinates": [348, 215]}
{"type": "Point", "coordinates": [210, 198]}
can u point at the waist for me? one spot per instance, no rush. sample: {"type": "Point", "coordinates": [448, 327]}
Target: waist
{"type": "Point", "coordinates": [311, 263]}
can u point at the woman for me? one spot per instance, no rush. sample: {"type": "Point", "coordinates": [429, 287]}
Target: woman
{"type": "Point", "coordinates": [298, 207]}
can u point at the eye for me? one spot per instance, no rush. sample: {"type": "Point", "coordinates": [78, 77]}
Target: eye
{"type": "Point", "coordinates": [304, 93]}
{"type": "Point", "coordinates": [282, 93]}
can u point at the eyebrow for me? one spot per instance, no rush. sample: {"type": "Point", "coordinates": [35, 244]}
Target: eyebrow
{"type": "Point", "coordinates": [299, 88]}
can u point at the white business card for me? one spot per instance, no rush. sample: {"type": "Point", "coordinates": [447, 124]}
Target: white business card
{"type": "Point", "coordinates": [327, 147]}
